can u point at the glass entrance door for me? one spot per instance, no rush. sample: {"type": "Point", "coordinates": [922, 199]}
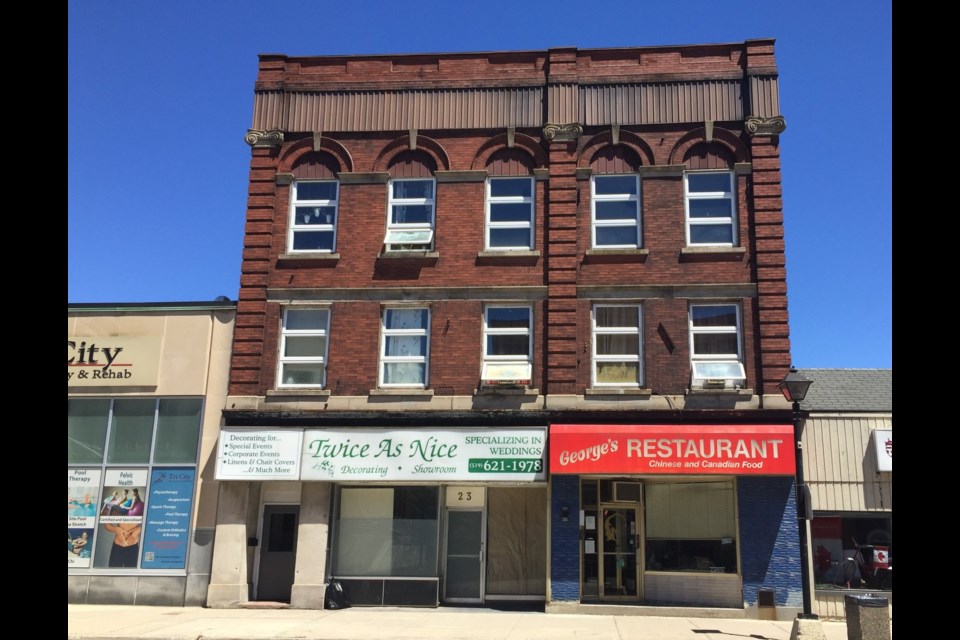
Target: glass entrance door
{"type": "Point", "coordinates": [618, 535]}
{"type": "Point", "coordinates": [465, 556]}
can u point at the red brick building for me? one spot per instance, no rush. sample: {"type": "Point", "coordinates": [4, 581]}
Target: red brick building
{"type": "Point", "coordinates": [479, 264]}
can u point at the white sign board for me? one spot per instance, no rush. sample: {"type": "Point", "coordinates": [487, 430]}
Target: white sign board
{"type": "Point", "coordinates": [428, 455]}
{"type": "Point", "coordinates": [258, 454]}
{"type": "Point", "coordinates": [883, 446]}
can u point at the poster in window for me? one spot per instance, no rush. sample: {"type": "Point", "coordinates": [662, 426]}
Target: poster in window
{"type": "Point", "coordinates": [168, 519]}
{"type": "Point", "coordinates": [121, 519]}
{"type": "Point", "coordinates": [83, 487]}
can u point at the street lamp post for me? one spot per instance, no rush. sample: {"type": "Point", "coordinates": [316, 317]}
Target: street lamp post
{"type": "Point", "coordinates": [794, 388]}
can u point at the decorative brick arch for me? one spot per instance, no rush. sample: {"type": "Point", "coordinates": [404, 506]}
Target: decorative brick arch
{"type": "Point", "coordinates": [298, 149]}
{"type": "Point", "coordinates": [628, 139]}
{"type": "Point", "coordinates": [721, 137]}
{"type": "Point", "coordinates": [499, 143]}
{"type": "Point", "coordinates": [398, 145]}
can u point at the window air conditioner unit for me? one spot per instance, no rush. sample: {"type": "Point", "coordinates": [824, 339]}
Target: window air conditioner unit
{"type": "Point", "coordinates": [626, 491]}
{"type": "Point", "coordinates": [505, 374]}
{"type": "Point", "coordinates": [408, 240]}
{"type": "Point", "coordinates": [717, 375]}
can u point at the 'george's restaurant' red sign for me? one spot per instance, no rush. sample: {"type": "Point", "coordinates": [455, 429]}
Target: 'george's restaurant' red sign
{"type": "Point", "coordinates": [674, 449]}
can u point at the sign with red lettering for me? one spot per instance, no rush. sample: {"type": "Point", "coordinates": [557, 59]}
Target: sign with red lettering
{"type": "Point", "coordinates": [883, 447]}
{"type": "Point", "coordinates": [672, 449]}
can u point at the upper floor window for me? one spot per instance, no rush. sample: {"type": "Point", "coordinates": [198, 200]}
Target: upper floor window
{"type": "Point", "coordinates": [313, 215]}
{"type": "Point", "coordinates": [314, 195]}
{"type": "Point", "coordinates": [617, 345]}
{"type": "Point", "coordinates": [615, 211]}
{"type": "Point", "coordinates": [404, 347]}
{"type": "Point", "coordinates": [509, 214]}
{"type": "Point", "coordinates": [507, 345]}
{"type": "Point", "coordinates": [303, 347]}
{"type": "Point", "coordinates": [410, 221]}
{"type": "Point", "coordinates": [715, 339]}
{"type": "Point", "coordinates": [710, 200]}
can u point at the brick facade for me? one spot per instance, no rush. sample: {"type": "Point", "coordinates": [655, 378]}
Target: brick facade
{"type": "Point", "coordinates": [562, 266]}
{"type": "Point", "coordinates": [560, 117]}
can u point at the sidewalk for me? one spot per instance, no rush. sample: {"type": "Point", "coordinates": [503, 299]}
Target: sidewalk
{"type": "Point", "coordinates": [114, 622]}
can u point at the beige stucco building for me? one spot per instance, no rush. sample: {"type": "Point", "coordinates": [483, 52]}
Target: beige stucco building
{"type": "Point", "coordinates": [146, 389]}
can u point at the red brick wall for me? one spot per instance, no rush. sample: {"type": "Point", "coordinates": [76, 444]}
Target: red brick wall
{"type": "Point", "coordinates": [562, 236]}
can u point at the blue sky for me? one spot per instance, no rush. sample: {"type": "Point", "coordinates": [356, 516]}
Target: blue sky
{"type": "Point", "coordinates": [160, 95]}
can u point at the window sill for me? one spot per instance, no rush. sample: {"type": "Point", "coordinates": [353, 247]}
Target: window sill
{"type": "Point", "coordinates": [410, 255]}
{"type": "Point", "coordinates": [287, 393]}
{"type": "Point", "coordinates": [619, 391]}
{"type": "Point", "coordinates": [712, 254]}
{"type": "Point", "coordinates": [523, 257]}
{"type": "Point", "coordinates": [616, 255]}
{"type": "Point", "coordinates": [505, 391]}
{"type": "Point", "coordinates": [401, 392]}
{"type": "Point", "coordinates": [326, 259]}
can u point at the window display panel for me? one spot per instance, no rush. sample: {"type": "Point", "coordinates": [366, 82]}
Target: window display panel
{"type": "Point", "coordinates": [387, 532]}
{"type": "Point", "coordinates": [516, 549]}
{"type": "Point", "coordinates": [691, 526]}
{"type": "Point", "coordinates": [131, 510]}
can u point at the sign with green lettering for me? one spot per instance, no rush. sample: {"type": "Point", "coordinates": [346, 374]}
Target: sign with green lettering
{"type": "Point", "coordinates": [491, 455]}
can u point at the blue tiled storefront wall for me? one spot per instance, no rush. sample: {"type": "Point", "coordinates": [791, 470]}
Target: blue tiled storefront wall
{"type": "Point", "coordinates": [769, 540]}
{"type": "Point", "coordinates": [565, 539]}
{"type": "Point", "coordinates": [769, 544]}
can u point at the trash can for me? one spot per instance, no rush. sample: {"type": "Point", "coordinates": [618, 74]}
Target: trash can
{"type": "Point", "coordinates": [868, 617]}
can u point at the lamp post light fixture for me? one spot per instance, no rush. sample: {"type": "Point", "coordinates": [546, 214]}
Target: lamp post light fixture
{"type": "Point", "coordinates": [794, 388]}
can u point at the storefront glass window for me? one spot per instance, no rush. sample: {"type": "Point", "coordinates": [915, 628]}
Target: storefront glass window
{"type": "Point", "coordinates": [852, 551]}
{"type": "Point", "coordinates": [691, 526]}
{"type": "Point", "coordinates": [387, 532]}
{"type": "Point", "coordinates": [86, 430]}
{"type": "Point", "coordinates": [131, 431]}
{"type": "Point", "coordinates": [134, 511]}
{"type": "Point", "coordinates": [178, 429]}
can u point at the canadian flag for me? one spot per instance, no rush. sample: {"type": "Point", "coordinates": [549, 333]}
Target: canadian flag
{"type": "Point", "coordinates": [881, 557]}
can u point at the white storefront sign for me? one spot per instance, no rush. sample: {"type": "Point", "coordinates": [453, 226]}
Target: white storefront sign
{"type": "Point", "coordinates": [883, 446]}
{"type": "Point", "coordinates": [258, 454]}
{"type": "Point", "coordinates": [429, 455]}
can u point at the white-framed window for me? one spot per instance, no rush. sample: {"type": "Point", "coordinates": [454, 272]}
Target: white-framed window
{"type": "Point", "coordinates": [507, 345]}
{"type": "Point", "coordinates": [710, 200]}
{"type": "Point", "coordinates": [715, 339]}
{"type": "Point", "coordinates": [509, 214]}
{"type": "Point", "coordinates": [410, 214]}
{"type": "Point", "coordinates": [303, 347]}
{"type": "Point", "coordinates": [404, 347]}
{"type": "Point", "coordinates": [615, 211]}
{"type": "Point", "coordinates": [617, 345]}
{"type": "Point", "coordinates": [313, 215]}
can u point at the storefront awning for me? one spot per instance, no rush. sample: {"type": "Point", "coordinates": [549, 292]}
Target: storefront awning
{"type": "Point", "coordinates": [672, 449]}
